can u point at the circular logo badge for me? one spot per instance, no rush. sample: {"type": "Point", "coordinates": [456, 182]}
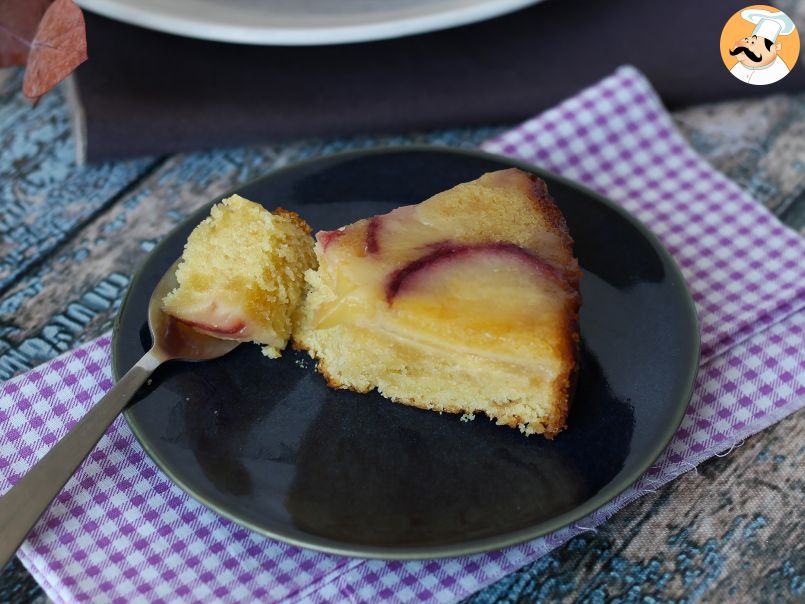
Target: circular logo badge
{"type": "Point", "coordinates": [760, 45]}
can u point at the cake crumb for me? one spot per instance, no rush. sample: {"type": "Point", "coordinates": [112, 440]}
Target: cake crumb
{"type": "Point", "coordinates": [467, 417]}
{"type": "Point", "coordinates": [272, 352]}
{"type": "Point", "coordinates": [242, 268]}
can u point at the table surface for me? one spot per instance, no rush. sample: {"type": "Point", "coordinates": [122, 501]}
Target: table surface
{"type": "Point", "coordinates": [72, 236]}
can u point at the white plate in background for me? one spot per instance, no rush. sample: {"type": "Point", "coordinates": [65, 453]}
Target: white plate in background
{"type": "Point", "coordinates": [300, 22]}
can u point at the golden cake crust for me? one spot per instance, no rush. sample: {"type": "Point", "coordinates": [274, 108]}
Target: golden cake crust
{"type": "Point", "coordinates": [294, 218]}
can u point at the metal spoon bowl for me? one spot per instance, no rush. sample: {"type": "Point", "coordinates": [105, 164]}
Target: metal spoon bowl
{"type": "Point", "coordinates": [24, 504]}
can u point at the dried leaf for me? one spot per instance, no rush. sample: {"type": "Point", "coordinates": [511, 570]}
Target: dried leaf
{"type": "Point", "coordinates": [18, 22]}
{"type": "Point", "coordinates": [59, 46]}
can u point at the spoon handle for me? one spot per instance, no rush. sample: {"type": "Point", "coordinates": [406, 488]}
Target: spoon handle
{"type": "Point", "coordinates": [27, 500]}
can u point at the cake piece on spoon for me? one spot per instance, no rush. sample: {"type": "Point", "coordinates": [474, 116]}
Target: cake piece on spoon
{"type": "Point", "coordinates": [241, 276]}
{"type": "Point", "coordinates": [467, 302]}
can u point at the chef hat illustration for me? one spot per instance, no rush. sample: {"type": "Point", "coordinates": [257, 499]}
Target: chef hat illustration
{"type": "Point", "coordinates": [768, 25]}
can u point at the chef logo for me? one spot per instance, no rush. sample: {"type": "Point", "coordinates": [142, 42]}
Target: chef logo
{"type": "Point", "coordinates": [760, 45]}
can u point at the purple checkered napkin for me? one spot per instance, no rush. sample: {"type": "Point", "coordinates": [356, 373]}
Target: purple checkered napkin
{"type": "Point", "coordinates": [122, 532]}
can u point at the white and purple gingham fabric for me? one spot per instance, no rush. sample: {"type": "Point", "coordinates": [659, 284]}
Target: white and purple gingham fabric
{"type": "Point", "coordinates": [122, 532]}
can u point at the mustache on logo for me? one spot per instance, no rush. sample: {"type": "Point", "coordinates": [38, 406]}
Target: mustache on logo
{"type": "Point", "coordinates": [743, 49]}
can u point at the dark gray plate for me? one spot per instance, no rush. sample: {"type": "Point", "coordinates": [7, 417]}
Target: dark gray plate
{"type": "Point", "coordinates": [268, 445]}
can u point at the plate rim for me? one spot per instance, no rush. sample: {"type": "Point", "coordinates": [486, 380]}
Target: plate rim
{"type": "Point", "coordinates": [191, 26]}
{"type": "Point", "coordinates": [473, 546]}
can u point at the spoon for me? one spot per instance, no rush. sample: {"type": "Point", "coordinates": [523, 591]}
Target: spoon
{"type": "Point", "coordinates": [27, 500]}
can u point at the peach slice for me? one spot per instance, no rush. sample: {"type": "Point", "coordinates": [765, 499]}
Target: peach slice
{"type": "Point", "coordinates": [216, 319]}
{"type": "Point", "coordinates": [325, 238]}
{"type": "Point", "coordinates": [489, 253]}
{"type": "Point", "coordinates": [372, 228]}
{"type": "Point", "coordinates": [497, 294]}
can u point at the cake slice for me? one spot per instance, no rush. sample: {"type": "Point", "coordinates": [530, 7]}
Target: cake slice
{"type": "Point", "coordinates": [241, 276]}
{"type": "Point", "coordinates": [467, 302]}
